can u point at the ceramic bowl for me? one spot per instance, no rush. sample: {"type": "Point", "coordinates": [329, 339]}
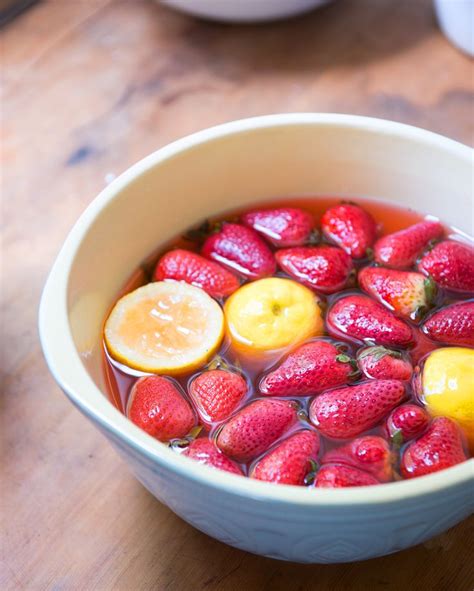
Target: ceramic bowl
{"type": "Point", "coordinates": [243, 11]}
{"type": "Point", "coordinates": [206, 173]}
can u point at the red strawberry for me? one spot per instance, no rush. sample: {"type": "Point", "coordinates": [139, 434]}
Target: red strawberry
{"type": "Point", "coordinates": [184, 265]}
{"type": "Point", "coordinates": [324, 268]}
{"type": "Point", "coordinates": [384, 364]}
{"type": "Point", "coordinates": [348, 412]}
{"type": "Point", "coordinates": [217, 393]}
{"type": "Point", "coordinates": [339, 476]}
{"type": "Point", "coordinates": [406, 422]}
{"type": "Point", "coordinates": [290, 461]}
{"type": "Point", "coordinates": [359, 317]}
{"type": "Point", "coordinates": [242, 250]}
{"type": "Point", "coordinates": [157, 406]}
{"type": "Point", "coordinates": [351, 228]}
{"type": "Point", "coordinates": [283, 226]}
{"type": "Point", "coordinates": [407, 293]}
{"type": "Point", "coordinates": [440, 447]}
{"type": "Point", "coordinates": [370, 453]}
{"type": "Point", "coordinates": [451, 264]}
{"type": "Point", "coordinates": [401, 249]}
{"type": "Point", "coordinates": [205, 452]}
{"type": "Point", "coordinates": [255, 428]}
{"type": "Point", "coordinates": [453, 325]}
{"type": "Point", "coordinates": [309, 369]}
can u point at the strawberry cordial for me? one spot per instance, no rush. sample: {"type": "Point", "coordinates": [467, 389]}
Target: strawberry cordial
{"type": "Point", "coordinates": [344, 404]}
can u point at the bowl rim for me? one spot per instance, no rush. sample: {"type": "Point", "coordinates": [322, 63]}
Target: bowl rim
{"type": "Point", "coordinates": [74, 378]}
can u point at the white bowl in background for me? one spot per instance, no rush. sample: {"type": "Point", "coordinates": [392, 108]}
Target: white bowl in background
{"type": "Point", "coordinates": [207, 173]}
{"type": "Point", "coordinates": [244, 11]}
{"type": "Point", "coordinates": [456, 19]}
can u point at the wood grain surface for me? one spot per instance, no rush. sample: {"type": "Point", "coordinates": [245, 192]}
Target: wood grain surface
{"type": "Point", "coordinates": [89, 87]}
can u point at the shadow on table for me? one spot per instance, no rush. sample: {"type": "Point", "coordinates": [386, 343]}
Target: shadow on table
{"type": "Point", "coordinates": [342, 33]}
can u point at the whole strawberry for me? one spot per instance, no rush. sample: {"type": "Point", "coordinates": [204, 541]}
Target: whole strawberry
{"type": "Point", "coordinates": [407, 293]}
{"type": "Point", "coordinates": [384, 364]}
{"type": "Point", "coordinates": [340, 476]}
{"type": "Point", "coordinates": [309, 369]}
{"type": "Point", "coordinates": [290, 461]}
{"type": "Point", "coordinates": [349, 411]}
{"type": "Point", "coordinates": [406, 422]}
{"type": "Point", "coordinates": [255, 428]}
{"type": "Point", "coordinates": [217, 393]}
{"type": "Point", "coordinates": [451, 265]}
{"type": "Point", "coordinates": [156, 406]}
{"type": "Point", "coordinates": [453, 325]}
{"type": "Point", "coordinates": [184, 265]}
{"type": "Point", "coordinates": [282, 226]}
{"type": "Point", "coordinates": [370, 453]}
{"type": "Point", "coordinates": [205, 452]}
{"type": "Point", "coordinates": [323, 268]}
{"type": "Point", "coordinates": [440, 447]}
{"type": "Point", "coordinates": [359, 317]}
{"type": "Point", "coordinates": [242, 250]}
{"type": "Point", "coordinates": [351, 228]}
{"type": "Point", "coordinates": [401, 249]}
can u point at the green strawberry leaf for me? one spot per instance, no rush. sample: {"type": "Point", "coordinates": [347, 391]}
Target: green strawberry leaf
{"type": "Point", "coordinates": [397, 438]}
{"type": "Point", "coordinates": [431, 290]}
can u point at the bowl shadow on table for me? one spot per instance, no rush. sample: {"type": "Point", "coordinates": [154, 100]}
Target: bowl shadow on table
{"type": "Point", "coordinates": [342, 33]}
{"type": "Point", "coordinates": [208, 564]}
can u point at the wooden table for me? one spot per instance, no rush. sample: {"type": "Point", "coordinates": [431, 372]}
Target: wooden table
{"type": "Point", "coordinates": [89, 87]}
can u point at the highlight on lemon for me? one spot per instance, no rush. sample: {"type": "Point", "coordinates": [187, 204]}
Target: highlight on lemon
{"type": "Point", "coordinates": [164, 327]}
{"type": "Point", "coordinates": [271, 314]}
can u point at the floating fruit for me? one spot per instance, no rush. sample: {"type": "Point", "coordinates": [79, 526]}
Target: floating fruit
{"type": "Point", "coordinates": [205, 452]}
{"type": "Point", "coordinates": [440, 447]}
{"type": "Point", "coordinates": [309, 369]}
{"type": "Point", "coordinates": [359, 317]}
{"type": "Point", "coordinates": [451, 265]}
{"type": "Point", "coordinates": [255, 428]}
{"type": "Point", "coordinates": [348, 412]}
{"type": "Point", "coordinates": [341, 476]}
{"type": "Point", "coordinates": [401, 249]}
{"type": "Point", "coordinates": [164, 327]}
{"type": "Point", "coordinates": [447, 383]}
{"type": "Point", "coordinates": [217, 393]}
{"type": "Point", "coordinates": [282, 226]}
{"type": "Point", "coordinates": [271, 314]}
{"type": "Point", "coordinates": [184, 265]}
{"type": "Point", "coordinates": [158, 407]}
{"type": "Point", "coordinates": [242, 250]}
{"type": "Point", "coordinates": [453, 325]}
{"type": "Point", "coordinates": [384, 364]}
{"type": "Point", "coordinates": [290, 461]}
{"type": "Point", "coordinates": [370, 453]}
{"type": "Point", "coordinates": [406, 422]}
{"type": "Point", "coordinates": [351, 228]}
{"type": "Point", "coordinates": [323, 268]}
{"type": "Point", "coordinates": [407, 293]}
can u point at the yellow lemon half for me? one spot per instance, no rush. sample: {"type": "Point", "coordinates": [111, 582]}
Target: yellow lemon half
{"type": "Point", "coordinates": [164, 327]}
{"type": "Point", "coordinates": [271, 314]}
{"type": "Point", "coordinates": [448, 386]}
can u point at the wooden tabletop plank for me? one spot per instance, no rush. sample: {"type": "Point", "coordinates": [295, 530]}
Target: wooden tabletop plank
{"type": "Point", "coordinates": [89, 87]}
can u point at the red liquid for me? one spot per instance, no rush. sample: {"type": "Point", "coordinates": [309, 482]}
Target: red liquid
{"type": "Point", "coordinates": [390, 218]}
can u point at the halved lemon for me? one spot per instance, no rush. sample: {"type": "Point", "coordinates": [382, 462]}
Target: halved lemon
{"type": "Point", "coordinates": [164, 328]}
{"type": "Point", "coordinates": [271, 314]}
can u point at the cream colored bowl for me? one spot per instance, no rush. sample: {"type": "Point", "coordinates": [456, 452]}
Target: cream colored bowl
{"type": "Point", "coordinates": [212, 171]}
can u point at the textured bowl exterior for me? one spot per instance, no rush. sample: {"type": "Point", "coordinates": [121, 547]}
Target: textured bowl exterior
{"type": "Point", "coordinates": [161, 196]}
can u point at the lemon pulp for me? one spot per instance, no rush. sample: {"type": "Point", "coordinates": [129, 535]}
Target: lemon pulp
{"type": "Point", "coordinates": [271, 314]}
{"type": "Point", "coordinates": [164, 327]}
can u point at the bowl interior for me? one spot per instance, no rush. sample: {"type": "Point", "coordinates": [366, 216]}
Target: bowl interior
{"type": "Point", "coordinates": [164, 195]}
